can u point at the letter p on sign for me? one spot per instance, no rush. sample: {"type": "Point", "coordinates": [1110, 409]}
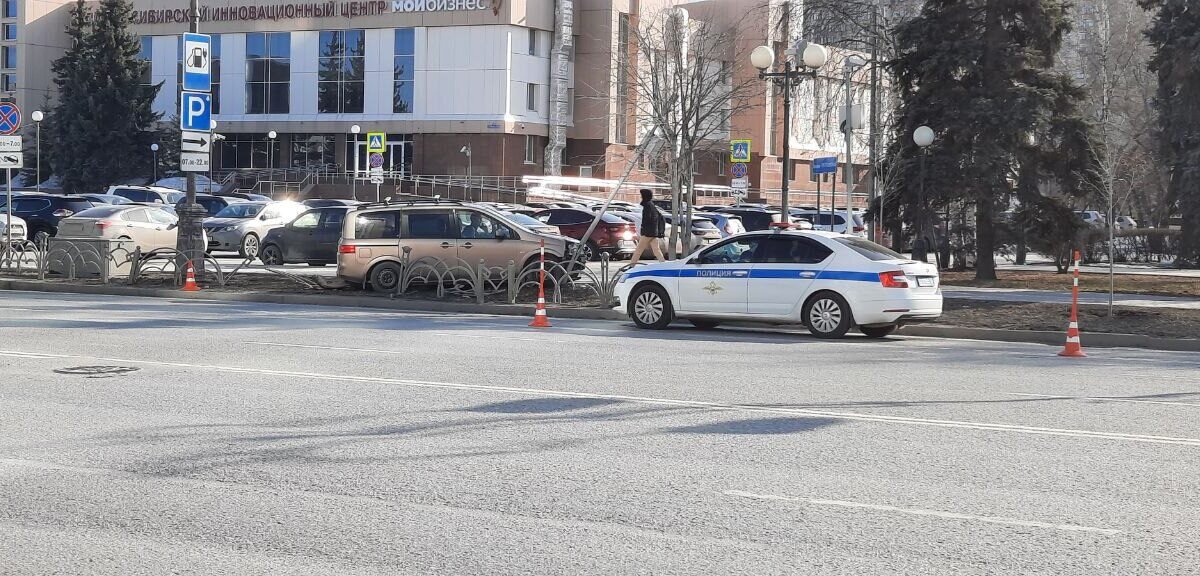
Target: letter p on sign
{"type": "Point", "coordinates": [196, 111]}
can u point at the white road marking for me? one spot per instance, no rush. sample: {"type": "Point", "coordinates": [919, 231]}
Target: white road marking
{"type": "Point", "coordinates": [13, 354]}
{"type": "Point", "coordinates": [923, 512]}
{"type": "Point", "coordinates": [1106, 399]}
{"type": "Point", "coordinates": [716, 406]}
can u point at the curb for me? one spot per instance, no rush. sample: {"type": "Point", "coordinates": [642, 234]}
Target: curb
{"type": "Point", "coordinates": [313, 300]}
{"type": "Point", "coordinates": [1093, 340]}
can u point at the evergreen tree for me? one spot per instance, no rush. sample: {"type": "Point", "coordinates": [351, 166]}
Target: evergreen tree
{"type": "Point", "coordinates": [980, 73]}
{"type": "Point", "coordinates": [1175, 35]}
{"type": "Point", "coordinates": [70, 123]}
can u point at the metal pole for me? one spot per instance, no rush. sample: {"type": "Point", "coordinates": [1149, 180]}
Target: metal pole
{"type": "Point", "coordinates": [919, 217]}
{"type": "Point", "coordinates": [1112, 281]}
{"type": "Point", "coordinates": [154, 167]}
{"type": "Point", "coordinates": [8, 213]}
{"type": "Point", "coordinates": [354, 172]}
{"type": "Point", "coordinates": [787, 138]}
{"type": "Point", "coordinates": [818, 222]}
{"type": "Point", "coordinates": [849, 151]}
{"type": "Point", "coordinates": [189, 237]}
{"type": "Point", "coordinates": [873, 139]}
{"type": "Point", "coordinates": [39, 157]}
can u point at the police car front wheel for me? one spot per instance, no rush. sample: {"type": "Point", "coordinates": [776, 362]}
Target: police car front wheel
{"type": "Point", "coordinates": [650, 307]}
{"type": "Point", "coordinates": [827, 315]}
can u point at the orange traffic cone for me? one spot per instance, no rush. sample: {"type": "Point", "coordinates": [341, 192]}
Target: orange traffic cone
{"type": "Point", "coordinates": [189, 284]}
{"type": "Point", "coordinates": [540, 320]}
{"type": "Point", "coordinates": [1073, 349]}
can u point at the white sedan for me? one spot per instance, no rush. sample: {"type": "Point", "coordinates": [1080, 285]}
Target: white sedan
{"type": "Point", "coordinates": [829, 282]}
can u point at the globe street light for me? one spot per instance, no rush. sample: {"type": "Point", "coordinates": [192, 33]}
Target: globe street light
{"type": "Point", "coordinates": [809, 57]}
{"type": "Point", "coordinates": [271, 161]}
{"type": "Point", "coordinates": [850, 65]}
{"type": "Point", "coordinates": [154, 155]}
{"type": "Point", "coordinates": [37, 117]}
{"type": "Point", "coordinates": [923, 136]}
{"type": "Point", "coordinates": [355, 129]}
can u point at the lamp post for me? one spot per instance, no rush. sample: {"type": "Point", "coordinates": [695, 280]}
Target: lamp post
{"type": "Point", "coordinates": [809, 57]}
{"type": "Point", "coordinates": [922, 137]}
{"type": "Point", "coordinates": [852, 63]}
{"type": "Point", "coordinates": [355, 129]}
{"type": "Point", "coordinates": [154, 156]}
{"type": "Point", "coordinates": [466, 150]}
{"type": "Point", "coordinates": [37, 117]}
{"type": "Point", "coordinates": [271, 161]}
{"type": "Point", "coordinates": [212, 135]}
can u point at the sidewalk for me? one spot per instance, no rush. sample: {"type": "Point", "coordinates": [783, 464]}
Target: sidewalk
{"type": "Point", "coordinates": [1139, 269]}
{"type": "Point", "coordinates": [1064, 297]}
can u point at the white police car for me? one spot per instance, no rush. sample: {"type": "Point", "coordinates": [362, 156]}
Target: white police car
{"type": "Point", "coordinates": [829, 282]}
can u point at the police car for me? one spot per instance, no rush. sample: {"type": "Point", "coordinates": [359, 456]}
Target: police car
{"type": "Point", "coordinates": [827, 281]}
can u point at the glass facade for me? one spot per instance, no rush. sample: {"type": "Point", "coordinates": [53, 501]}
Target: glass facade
{"type": "Point", "coordinates": [146, 54]}
{"type": "Point", "coordinates": [10, 8]}
{"type": "Point", "coordinates": [313, 150]}
{"type": "Point", "coordinates": [403, 77]}
{"type": "Point", "coordinates": [248, 151]}
{"type": "Point", "coordinates": [341, 72]}
{"type": "Point", "coordinates": [268, 72]}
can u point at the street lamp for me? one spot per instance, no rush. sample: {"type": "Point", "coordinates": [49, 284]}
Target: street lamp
{"type": "Point", "coordinates": [809, 57]}
{"type": "Point", "coordinates": [355, 129]}
{"type": "Point", "coordinates": [922, 137]}
{"type": "Point", "coordinates": [37, 117]}
{"type": "Point", "coordinates": [154, 155]}
{"type": "Point", "coordinates": [271, 160]}
{"type": "Point", "coordinates": [212, 137]}
{"type": "Point", "coordinates": [852, 63]}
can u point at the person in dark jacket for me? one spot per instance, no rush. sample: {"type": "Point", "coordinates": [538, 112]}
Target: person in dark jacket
{"type": "Point", "coordinates": [654, 228]}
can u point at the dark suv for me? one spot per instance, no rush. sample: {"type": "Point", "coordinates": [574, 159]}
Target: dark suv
{"type": "Point", "coordinates": [42, 212]}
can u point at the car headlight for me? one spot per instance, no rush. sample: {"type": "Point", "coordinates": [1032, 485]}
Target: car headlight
{"type": "Point", "coordinates": [627, 235]}
{"type": "Point", "coordinates": [228, 229]}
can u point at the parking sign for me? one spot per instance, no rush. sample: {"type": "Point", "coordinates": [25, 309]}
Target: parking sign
{"type": "Point", "coordinates": [196, 63]}
{"type": "Point", "coordinates": [195, 114]}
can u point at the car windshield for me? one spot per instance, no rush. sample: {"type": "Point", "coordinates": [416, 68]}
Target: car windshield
{"type": "Point", "coordinates": [527, 221]}
{"type": "Point", "coordinates": [869, 249]}
{"type": "Point", "coordinates": [240, 210]}
{"type": "Point", "coordinates": [101, 212]}
{"type": "Point", "coordinates": [704, 223]}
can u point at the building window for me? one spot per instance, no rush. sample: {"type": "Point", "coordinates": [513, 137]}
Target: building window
{"type": "Point", "coordinates": [721, 164]}
{"type": "Point", "coordinates": [621, 130]}
{"type": "Point", "coordinates": [214, 69]}
{"type": "Point", "coordinates": [341, 72]}
{"type": "Point", "coordinates": [402, 71]}
{"type": "Point", "coordinates": [571, 103]}
{"type": "Point", "coordinates": [10, 31]}
{"type": "Point", "coordinates": [146, 55]}
{"type": "Point", "coordinates": [9, 54]}
{"type": "Point", "coordinates": [530, 149]}
{"type": "Point", "coordinates": [248, 151]}
{"type": "Point", "coordinates": [313, 150]}
{"type": "Point", "coordinates": [531, 97]}
{"type": "Point", "coordinates": [532, 42]}
{"type": "Point", "coordinates": [9, 82]}
{"type": "Point", "coordinates": [268, 72]}
{"type": "Point", "coordinates": [10, 8]}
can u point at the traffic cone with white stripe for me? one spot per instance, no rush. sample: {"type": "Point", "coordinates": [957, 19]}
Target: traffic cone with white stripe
{"type": "Point", "coordinates": [1073, 349]}
{"type": "Point", "coordinates": [540, 320]}
{"type": "Point", "coordinates": [189, 284]}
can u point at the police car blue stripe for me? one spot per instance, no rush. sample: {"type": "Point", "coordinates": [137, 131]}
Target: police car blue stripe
{"type": "Point", "coordinates": [797, 273]}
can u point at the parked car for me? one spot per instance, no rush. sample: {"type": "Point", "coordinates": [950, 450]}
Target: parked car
{"type": "Point", "coordinates": [215, 204]}
{"type": "Point", "coordinates": [832, 221]}
{"type": "Point", "coordinates": [311, 238]}
{"type": "Point", "coordinates": [635, 217]}
{"type": "Point", "coordinates": [150, 227]}
{"type": "Point", "coordinates": [532, 223]}
{"type": "Point", "coordinates": [43, 212]}
{"type": "Point", "coordinates": [244, 196]}
{"type": "Point", "coordinates": [613, 234]}
{"type": "Point", "coordinates": [19, 229]}
{"type": "Point", "coordinates": [704, 232]}
{"type": "Point", "coordinates": [1093, 218]}
{"type": "Point", "coordinates": [324, 202]}
{"type": "Point", "coordinates": [148, 194]}
{"type": "Point", "coordinates": [375, 237]}
{"type": "Point", "coordinates": [754, 219]}
{"type": "Point", "coordinates": [107, 199]}
{"type": "Point", "coordinates": [1126, 223]}
{"type": "Point", "coordinates": [240, 227]}
{"type": "Point", "coordinates": [726, 223]}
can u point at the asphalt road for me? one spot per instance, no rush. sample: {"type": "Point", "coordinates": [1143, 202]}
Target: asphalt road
{"type": "Point", "coordinates": [258, 439]}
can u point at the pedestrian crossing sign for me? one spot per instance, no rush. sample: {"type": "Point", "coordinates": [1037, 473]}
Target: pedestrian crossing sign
{"type": "Point", "coordinates": [739, 151]}
{"type": "Point", "coordinates": [375, 142]}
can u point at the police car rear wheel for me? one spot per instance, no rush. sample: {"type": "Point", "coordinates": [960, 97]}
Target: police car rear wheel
{"type": "Point", "coordinates": [827, 315]}
{"type": "Point", "coordinates": [650, 307]}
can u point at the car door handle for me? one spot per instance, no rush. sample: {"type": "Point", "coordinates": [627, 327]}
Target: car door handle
{"type": "Point", "coordinates": [445, 244]}
{"type": "Point", "coordinates": [740, 273]}
{"type": "Point", "coordinates": [467, 245]}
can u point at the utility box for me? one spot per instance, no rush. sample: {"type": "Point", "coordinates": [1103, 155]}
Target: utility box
{"type": "Point", "coordinates": [89, 257]}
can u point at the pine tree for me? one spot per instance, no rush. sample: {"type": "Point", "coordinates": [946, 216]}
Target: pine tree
{"type": "Point", "coordinates": [1175, 35]}
{"type": "Point", "coordinates": [67, 132]}
{"type": "Point", "coordinates": [980, 73]}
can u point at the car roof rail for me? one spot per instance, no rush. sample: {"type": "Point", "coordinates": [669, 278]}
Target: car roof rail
{"type": "Point", "coordinates": [411, 200]}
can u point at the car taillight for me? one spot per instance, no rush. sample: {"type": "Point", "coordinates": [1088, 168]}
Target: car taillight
{"type": "Point", "coordinates": [347, 249]}
{"type": "Point", "coordinates": [893, 279]}
{"type": "Point", "coordinates": [62, 213]}
{"type": "Point", "coordinates": [104, 224]}
{"type": "Point", "coordinates": [859, 229]}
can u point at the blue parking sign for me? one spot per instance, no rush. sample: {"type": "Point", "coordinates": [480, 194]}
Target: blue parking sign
{"type": "Point", "coordinates": [195, 112]}
{"type": "Point", "coordinates": [197, 62]}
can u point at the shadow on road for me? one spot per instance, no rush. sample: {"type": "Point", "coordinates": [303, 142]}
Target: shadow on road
{"type": "Point", "coordinates": [786, 425]}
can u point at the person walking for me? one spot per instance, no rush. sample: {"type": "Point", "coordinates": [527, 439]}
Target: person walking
{"type": "Point", "coordinates": [654, 228]}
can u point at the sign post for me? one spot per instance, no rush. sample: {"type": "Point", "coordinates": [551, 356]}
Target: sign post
{"type": "Point", "coordinates": [196, 126]}
{"type": "Point", "coordinates": [739, 156]}
{"type": "Point", "coordinates": [820, 167]}
{"type": "Point", "coordinates": [10, 157]}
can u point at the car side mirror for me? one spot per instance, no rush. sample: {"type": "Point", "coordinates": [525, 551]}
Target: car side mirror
{"type": "Point", "coordinates": [262, 217]}
{"type": "Point", "coordinates": [172, 226]}
{"type": "Point", "coordinates": [502, 234]}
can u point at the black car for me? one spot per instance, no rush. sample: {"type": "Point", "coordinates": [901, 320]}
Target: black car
{"type": "Point", "coordinates": [42, 212]}
{"type": "Point", "coordinates": [329, 202]}
{"type": "Point", "coordinates": [214, 204]}
{"type": "Point", "coordinates": [754, 219]}
{"type": "Point", "coordinates": [312, 238]}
